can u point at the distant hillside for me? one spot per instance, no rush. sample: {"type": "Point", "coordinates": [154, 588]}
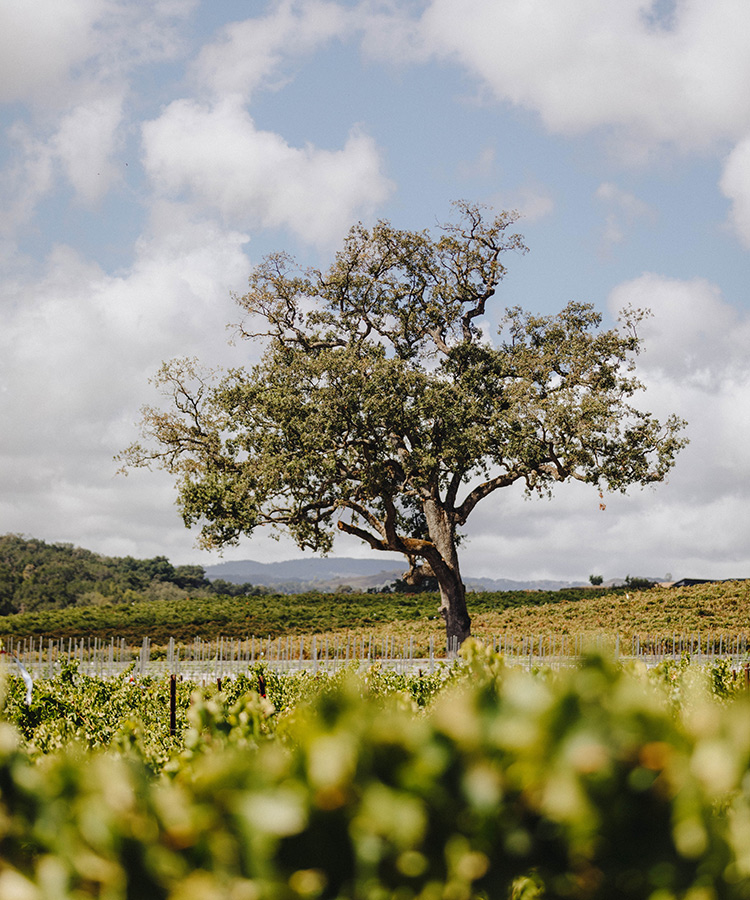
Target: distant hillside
{"type": "Point", "coordinates": [35, 575]}
{"type": "Point", "coordinates": [295, 576]}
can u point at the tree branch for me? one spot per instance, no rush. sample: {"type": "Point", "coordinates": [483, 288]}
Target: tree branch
{"type": "Point", "coordinates": [452, 492]}
{"type": "Point", "coordinates": [477, 310]}
{"type": "Point", "coordinates": [483, 490]}
{"type": "Point", "coordinates": [369, 517]}
{"type": "Point", "coordinates": [374, 542]}
{"type": "Point", "coordinates": [389, 524]}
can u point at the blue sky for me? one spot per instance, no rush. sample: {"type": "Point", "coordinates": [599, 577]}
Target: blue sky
{"type": "Point", "coordinates": [151, 153]}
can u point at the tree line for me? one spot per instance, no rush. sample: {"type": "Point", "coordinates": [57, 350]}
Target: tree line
{"type": "Point", "coordinates": [35, 575]}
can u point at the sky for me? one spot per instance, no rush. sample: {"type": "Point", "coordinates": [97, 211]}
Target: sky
{"type": "Point", "coordinates": [151, 153]}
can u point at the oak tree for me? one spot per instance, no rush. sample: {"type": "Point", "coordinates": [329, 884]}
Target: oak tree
{"type": "Point", "coordinates": [382, 407]}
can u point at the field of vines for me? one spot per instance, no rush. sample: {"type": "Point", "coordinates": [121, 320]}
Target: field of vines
{"type": "Point", "coordinates": [709, 609]}
{"type": "Point", "coordinates": [479, 780]}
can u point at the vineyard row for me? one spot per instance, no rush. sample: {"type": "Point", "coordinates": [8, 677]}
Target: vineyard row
{"type": "Point", "coordinates": [227, 657]}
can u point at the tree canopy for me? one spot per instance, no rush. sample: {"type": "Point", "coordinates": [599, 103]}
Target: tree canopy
{"type": "Point", "coordinates": [383, 408]}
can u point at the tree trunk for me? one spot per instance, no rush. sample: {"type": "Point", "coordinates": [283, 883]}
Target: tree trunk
{"type": "Point", "coordinates": [452, 591]}
{"type": "Point", "coordinates": [453, 609]}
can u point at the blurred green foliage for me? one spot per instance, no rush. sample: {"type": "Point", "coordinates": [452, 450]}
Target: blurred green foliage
{"type": "Point", "coordinates": [599, 781]}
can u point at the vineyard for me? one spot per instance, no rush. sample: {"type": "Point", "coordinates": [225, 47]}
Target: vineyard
{"type": "Point", "coordinates": [555, 758]}
{"type": "Point", "coordinates": [480, 780]}
{"type": "Point", "coordinates": [205, 638]}
{"type": "Point", "coordinates": [709, 609]}
{"type": "Point", "coordinates": [206, 660]}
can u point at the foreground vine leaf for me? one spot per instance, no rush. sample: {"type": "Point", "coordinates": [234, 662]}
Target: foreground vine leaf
{"type": "Point", "coordinates": [381, 408]}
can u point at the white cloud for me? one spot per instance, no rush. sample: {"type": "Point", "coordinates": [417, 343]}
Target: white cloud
{"type": "Point", "coordinates": [582, 64]}
{"type": "Point", "coordinates": [391, 30]}
{"type": "Point", "coordinates": [735, 184]}
{"type": "Point", "coordinates": [136, 32]}
{"type": "Point", "coordinates": [86, 341]}
{"type": "Point", "coordinates": [535, 202]}
{"type": "Point", "coordinates": [51, 50]}
{"type": "Point", "coordinates": [40, 42]}
{"type": "Point", "coordinates": [532, 200]}
{"type": "Point", "coordinates": [26, 179]}
{"type": "Point", "coordinates": [82, 146]}
{"type": "Point", "coordinates": [72, 64]}
{"type": "Point", "coordinates": [623, 211]}
{"type": "Point", "coordinates": [695, 364]}
{"type": "Point", "coordinates": [77, 347]}
{"type": "Point", "coordinates": [693, 336]}
{"type": "Point", "coordinates": [85, 144]}
{"type": "Point", "coordinates": [216, 156]}
{"type": "Point", "coordinates": [482, 166]}
{"type": "Point", "coordinates": [248, 54]}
